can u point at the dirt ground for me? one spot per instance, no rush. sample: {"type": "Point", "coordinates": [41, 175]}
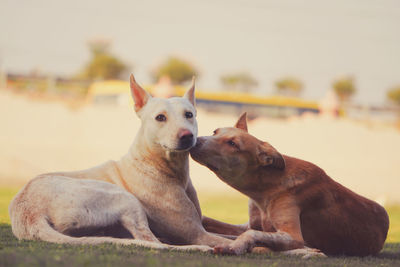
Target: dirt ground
{"type": "Point", "coordinates": [38, 136]}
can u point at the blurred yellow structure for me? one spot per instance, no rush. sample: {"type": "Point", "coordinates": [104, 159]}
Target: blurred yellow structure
{"type": "Point", "coordinates": [117, 92]}
{"type": "Point", "coordinates": [110, 91]}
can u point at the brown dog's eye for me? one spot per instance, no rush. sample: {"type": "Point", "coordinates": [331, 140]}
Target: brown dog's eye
{"type": "Point", "coordinates": [188, 114]}
{"type": "Point", "coordinates": [215, 132]}
{"type": "Point", "coordinates": [231, 143]}
{"type": "Point", "coordinates": [161, 117]}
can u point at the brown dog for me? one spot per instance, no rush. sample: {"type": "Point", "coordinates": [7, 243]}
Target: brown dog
{"type": "Point", "coordinates": [294, 202]}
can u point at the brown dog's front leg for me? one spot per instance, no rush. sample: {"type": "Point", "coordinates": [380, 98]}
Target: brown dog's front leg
{"type": "Point", "coordinates": [283, 216]}
{"type": "Point", "coordinates": [214, 226]}
{"type": "Point", "coordinates": [255, 221]}
{"type": "Point", "coordinates": [248, 240]}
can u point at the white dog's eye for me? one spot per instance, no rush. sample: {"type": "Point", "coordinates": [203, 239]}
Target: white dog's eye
{"type": "Point", "coordinates": [188, 114]}
{"type": "Point", "coordinates": [161, 117]}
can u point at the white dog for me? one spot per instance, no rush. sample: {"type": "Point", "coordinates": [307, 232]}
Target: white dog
{"type": "Point", "coordinates": [57, 207]}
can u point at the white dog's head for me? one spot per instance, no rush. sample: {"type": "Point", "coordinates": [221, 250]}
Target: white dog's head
{"type": "Point", "coordinates": [170, 123]}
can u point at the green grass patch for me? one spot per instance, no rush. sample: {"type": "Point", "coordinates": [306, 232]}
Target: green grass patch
{"type": "Point", "coordinates": [394, 226]}
{"type": "Point", "coordinates": [230, 208]}
{"type": "Point", "coordinates": [38, 253]}
{"type": "Point", "coordinates": [6, 195]}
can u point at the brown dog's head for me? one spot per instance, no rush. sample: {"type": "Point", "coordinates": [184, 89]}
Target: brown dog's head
{"type": "Point", "coordinates": [232, 152]}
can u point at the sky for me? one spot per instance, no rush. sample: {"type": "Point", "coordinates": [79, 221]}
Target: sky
{"type": "Point", "coordinates": [316, 41]}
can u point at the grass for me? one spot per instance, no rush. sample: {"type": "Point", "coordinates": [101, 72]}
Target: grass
{"type": "Point", "coordinates": [35, 253]}
{"type": "Point", "coordinates": [394, 227]}
{"type": "Point", "coordinates": [6, 194]}
{"type": "Point", "coordinates": [230, 208]}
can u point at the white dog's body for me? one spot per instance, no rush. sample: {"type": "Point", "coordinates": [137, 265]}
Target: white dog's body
{"type": "Point", "coordinates": [66, 210]}
{"type": "Point", "coordinates": [155, 171]}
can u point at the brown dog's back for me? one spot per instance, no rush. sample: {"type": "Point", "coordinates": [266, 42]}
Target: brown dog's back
{"type": "Point", "coordinates": [333, 218]}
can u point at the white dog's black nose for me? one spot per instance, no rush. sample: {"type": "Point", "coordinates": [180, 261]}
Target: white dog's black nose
{"type": "Point", "coordinates": [185, 134]}
{"type": "Point", "coordinates": [185, 139]}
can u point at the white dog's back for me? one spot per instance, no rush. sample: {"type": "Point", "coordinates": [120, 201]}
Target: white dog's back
{"type": "Point", "coordinates": [70, 206]}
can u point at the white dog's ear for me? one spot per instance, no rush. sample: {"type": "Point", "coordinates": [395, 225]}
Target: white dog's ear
{"type": "Point", "coordinates": [190, 94]}
{"type": "Point", "coordinates": [242, 122]}
{"type": "Point", "coordinates": [140, 96]}
{"type": "Point", "coordinates": [268, 156]}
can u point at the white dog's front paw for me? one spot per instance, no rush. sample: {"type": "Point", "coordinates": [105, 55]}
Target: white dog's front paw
{"type": "Point", "coordinates": [313, 252]}
{"type": "Point", "coordinates": [204, 248]}
{"type": "Point", "coordinates": [201, 248]}
{"type": "Point", "coordinates": [305, 252]}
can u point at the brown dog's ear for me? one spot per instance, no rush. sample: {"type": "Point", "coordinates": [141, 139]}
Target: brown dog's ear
{"type": "Point", "coordinates": [140, 96]}
{"type": "Point", "coordinates": [242, 122]}
{"type": "Point", "coordinates": [268, 156]}
{"type": "Point", "coordinates": [190, 93]}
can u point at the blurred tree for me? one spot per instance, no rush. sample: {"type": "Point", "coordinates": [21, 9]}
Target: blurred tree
{"type": "Point", "coordinates": [344, 88]}
{"type": "Point", "coordinates": [178, 70]}
{"type": "Point", "coordinates": [99, 45]}
{"type": "Point", "coordinates": [394, 95]}
{"type": "Point", "coordinates": [102, 65]}
{"type": "Point", "coordinates": [241, 81]}
{"type": "Point", "coordinates": [289, 86]}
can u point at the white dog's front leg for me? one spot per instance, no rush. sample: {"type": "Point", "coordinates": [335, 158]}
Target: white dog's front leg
{"type": "Point", "coordinates": [305, 252]}
{"type": "Point", "coordinates": [138, 226]}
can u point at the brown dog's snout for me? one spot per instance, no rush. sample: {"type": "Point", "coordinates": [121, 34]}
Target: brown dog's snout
{"type": "Point", "coordinates": [200, 141]}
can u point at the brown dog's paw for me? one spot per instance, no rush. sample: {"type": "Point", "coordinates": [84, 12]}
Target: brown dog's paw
{"type": "Point", "coordinates": [239, 250]}
{"type": "Point", "coordinates": [261, 250]}
{"type": "Point", "coordinates": [224, 250]}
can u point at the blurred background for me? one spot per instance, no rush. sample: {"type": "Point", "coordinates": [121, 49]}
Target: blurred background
{"type": "Point", "coordinates": [319, 79]}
